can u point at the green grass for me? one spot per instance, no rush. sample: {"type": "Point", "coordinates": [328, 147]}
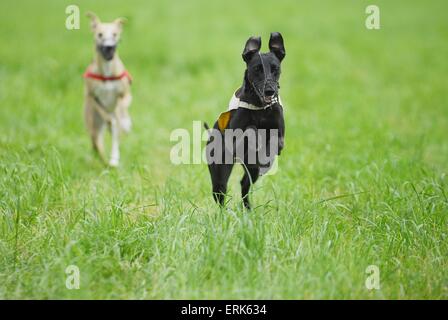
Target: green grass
{"type": "Point", "coordinates": [362, 180]}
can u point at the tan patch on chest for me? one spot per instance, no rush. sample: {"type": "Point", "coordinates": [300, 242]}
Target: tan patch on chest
{"type": "Point", "coordinates": [224, 119]}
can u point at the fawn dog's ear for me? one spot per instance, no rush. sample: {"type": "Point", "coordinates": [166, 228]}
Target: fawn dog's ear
{"type": "Point", "coordinates": [120, 22]}
{"type": "Point", "coordinates": [253, 46]}
{"type": "Point", "coordinates": [94, 20]}
{"type": "Point", "coordinates": [276, 45]}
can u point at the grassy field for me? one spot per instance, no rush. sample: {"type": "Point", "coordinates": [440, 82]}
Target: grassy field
{"type": "Point", "coordinates": [362, 180]}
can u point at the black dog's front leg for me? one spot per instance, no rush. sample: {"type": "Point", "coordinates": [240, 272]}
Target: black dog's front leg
{"type": "Point", "coordinates": [220, 174]}
{"type": "Point", "coordinates": [219, 170]}
{"type": "Point", "coordinates": [281, 132]}
{"type": "Point", "coordinates": [251, 175]}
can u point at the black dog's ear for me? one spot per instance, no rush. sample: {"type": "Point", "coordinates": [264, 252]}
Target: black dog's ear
{"type": "Point", "coordinates": [253, 45]}
{"type": "Point", "coordinates": [276, 45]}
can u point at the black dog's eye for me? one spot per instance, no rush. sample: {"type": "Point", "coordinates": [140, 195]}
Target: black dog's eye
{"type": "Point", "coordinates": [258, 67]}
{"type": "Point", "coordinates": [274, 68]}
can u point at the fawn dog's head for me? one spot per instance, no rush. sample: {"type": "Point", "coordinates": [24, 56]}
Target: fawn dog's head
{"type": "Point", "coordinates": [106, 35]}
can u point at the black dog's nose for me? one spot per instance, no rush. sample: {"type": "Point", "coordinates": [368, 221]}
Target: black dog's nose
{"type": "Point", "coordinates": [269, 92]}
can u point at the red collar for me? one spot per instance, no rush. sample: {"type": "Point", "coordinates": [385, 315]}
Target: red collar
{"type": "Point", "coordinates": [96, 76]}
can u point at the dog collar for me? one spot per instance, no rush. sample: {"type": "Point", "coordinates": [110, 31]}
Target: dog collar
{"type": "Point", "coordinates": [236, 103]}
{"type": "Point", "coordinates": [96, 76]}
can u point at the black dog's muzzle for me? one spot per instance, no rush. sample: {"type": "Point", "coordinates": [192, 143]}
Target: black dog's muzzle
{"type": "Point", "coordinates": [107, 51]}
{"type": "Point", "coordinates": [267, 91]}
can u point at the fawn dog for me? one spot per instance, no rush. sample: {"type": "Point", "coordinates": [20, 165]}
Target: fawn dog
{"type": "Point", "coordinates": [107, 89]}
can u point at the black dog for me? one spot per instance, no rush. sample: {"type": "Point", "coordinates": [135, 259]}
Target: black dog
{"type": "Point", "coordinates": [256, 105]}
